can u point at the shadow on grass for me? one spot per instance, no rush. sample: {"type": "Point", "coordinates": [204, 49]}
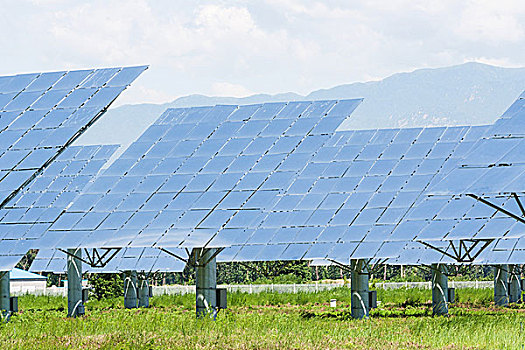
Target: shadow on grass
{"type": "Point", "coordinates": [346, 315]}
{"type": "Point", "coordinates": [404, 312]}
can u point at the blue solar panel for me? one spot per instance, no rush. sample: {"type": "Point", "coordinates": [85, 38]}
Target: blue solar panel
{"type": "Point", "coordinates": [41, 113]}
{"type": "Point", "coordinates": [223, 148]}
{"type": "Point", "coordinates": [241, 177]}
{"type": "Point", "coordinates": [30, 213]}
{"type": "Point", "coordinates": [494, 161]}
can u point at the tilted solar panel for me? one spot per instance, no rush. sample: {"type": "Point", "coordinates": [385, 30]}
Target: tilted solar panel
{"type": "Point", "coordinates": [496, 165]}
{"type": "Point", "coordinates": [42, 113]}
{"type": "Point", "coordinates": [30, 213]}
{"type": "Point", "coordinates": [195, 170]}
{"type": "Point", "coordinates": [304, 195]}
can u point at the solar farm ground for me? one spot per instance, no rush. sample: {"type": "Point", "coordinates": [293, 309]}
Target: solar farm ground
{"type": "Point", "coordinates": [270, 321]}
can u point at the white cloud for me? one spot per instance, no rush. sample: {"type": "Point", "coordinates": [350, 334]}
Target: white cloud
{"type": "Point", "coordinates": [236, 47]}
{"type": "Point", "coordinates": [140, 93]}
{"type": "Point", "coordinates": [494, 21]}
{"type": "Point", "coordinates": [228, 89]}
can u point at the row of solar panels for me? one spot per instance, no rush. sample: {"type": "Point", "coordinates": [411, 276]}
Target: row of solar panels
{"type": "Point", "coordinates": [266, 182]}
{"type": "Point", "coordinates": [353, 196]}
{"type": "Point", "coordinates": [40, 116]}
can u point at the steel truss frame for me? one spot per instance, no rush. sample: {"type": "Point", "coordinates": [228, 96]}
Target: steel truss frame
{"type": "Point", "coordinates": [372, 269]}
{"type": "Point", "coordinates": [465, 251]}
{"type": "Point", "coordinates": [195, 256]}
{"type": "Point", "coordinates": [502, 210]}
{"type": "Point", "coordinates": [95, 258]}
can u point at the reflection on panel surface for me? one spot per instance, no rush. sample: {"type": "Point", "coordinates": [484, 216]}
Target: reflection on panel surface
{"type": "Point", "coordinates": [41, 114]}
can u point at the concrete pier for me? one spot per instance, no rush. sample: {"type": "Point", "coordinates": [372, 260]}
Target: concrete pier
{"type": "Point", "coordinates": [439, 290]}
{"type": "Point", "coordinates": [359, 289]}
{"type": "Point", "coordinates": [514, 284]}
{"type": "Point", "coordinates": [206, 284]}
{"type": "Point", "coordinates": [75, 307]}
{"type": "Point", "coordinates": [5, 292]}
{"type": "Point", "coordinates": [501, 294]}
{"type": "Point", "coordinates": [143, 292]}
{"type": "Point", "coordinates": [130, 289]}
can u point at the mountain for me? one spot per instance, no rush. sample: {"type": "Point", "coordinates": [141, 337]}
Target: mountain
{"type": "Point", "coordinates": [466, 94]}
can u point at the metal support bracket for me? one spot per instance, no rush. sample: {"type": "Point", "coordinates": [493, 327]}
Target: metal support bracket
{"type": "Point", "coordinates": [200, 255]}
{"type": "Point", "coordinates": [176, 256]}
{"type": "Point", "coordinates": [500, 209]}
{"type": "Point", "coordinates": [343, 266]}
{"type": "Point", "coordinates": [465, 251]}
{"type": "Point", "coordinates": [194, 258]}
{"type": "Point", "coordinates": [95, 258]}
{"type": "Point", "coordinates": [372, 269]}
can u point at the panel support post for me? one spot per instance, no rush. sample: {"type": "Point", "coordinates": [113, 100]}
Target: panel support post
{"type": "Point", "coordinates": [5, 295]}
{"type": "Point", "coordinates": [501, 296]}
{"type": "Point", "coordinates": [130, 289]}
{"type": "Point", "coordinates": [359, 288]}
{"type": "Point", "coordinates": [439, 290]}
{"type": "Point", "coordinates": [206, 283]}
{"type": "Point", "coordinates": [143, 292]}
{"type": "Point", "coordinates": [75, 307]}
{"type": "Point", "coordinates": [514, 284]}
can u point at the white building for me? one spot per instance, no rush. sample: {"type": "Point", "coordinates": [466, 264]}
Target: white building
{"type": "Point", "coordinates": [26, 282]}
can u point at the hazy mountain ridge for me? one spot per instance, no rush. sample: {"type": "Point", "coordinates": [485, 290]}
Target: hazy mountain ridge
{"type": "Point", "coordinates": [467, 94]}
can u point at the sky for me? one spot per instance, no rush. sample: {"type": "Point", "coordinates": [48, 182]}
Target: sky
{"type": "Point", "coordinates": [238, 48]}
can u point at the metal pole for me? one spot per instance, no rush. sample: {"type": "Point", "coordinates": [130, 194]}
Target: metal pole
{"type": "Point", "coordinates": [439, 290]}
{"type": "Point", "coordinates": [130, 289]}
{"type": "Point", "coordinates": [143, 292]}
{"type": "Point", "coordinates": [514, 284]}
{"type": "Point", "coordinates": [501, 296]}
{"type": "Point", "coordinates": [206, 284]}
{"type": "Point", "coordinates": [75, 307]}
{"type": "Point", "coordinates": [5, 293]}
{"type": "Point", "coordinates": [359, 289]}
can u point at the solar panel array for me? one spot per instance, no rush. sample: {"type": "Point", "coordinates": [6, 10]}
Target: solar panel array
{"type": "Point", "coordinates": [268, 189]}
{"type": "Point", "coordinates": [25, 219]}
{"type": "Point", "coordinates": [356, 198]}
{"type": "Point", "coordinates": [41, 113]}
{"type": "Point", "coordinates": [497, 164]}
{"type": "Point", "coordinates": [195, 170]}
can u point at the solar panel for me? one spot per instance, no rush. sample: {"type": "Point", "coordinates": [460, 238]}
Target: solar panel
{"type": "Point", "coordinates": [216, 179]}
{"type": "Point", "coordinates": [25, 219]}
{"type": "Point", "coordinates": [495, 164]}
{"type": "Point", "coordinates": [43, 113]}
{"type": "Point", "coordinates": [297, 190]}
{"type": "Point", "coordinates": [40, 115]}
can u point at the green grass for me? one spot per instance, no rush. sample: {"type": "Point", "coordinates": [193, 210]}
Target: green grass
{"type": "Point", "coordinates": [270, 321]}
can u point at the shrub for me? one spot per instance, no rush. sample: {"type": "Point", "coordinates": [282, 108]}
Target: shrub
{"type": "Point", "coordinates": [106, 285]}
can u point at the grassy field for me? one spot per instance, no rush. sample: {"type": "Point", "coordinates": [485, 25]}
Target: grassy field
{"type": "Point", "coordinates": [270, 321]}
